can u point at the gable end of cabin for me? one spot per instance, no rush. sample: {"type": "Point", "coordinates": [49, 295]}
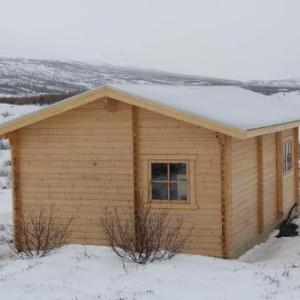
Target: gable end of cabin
{"type": "Point", "coordinates": [105, 153]}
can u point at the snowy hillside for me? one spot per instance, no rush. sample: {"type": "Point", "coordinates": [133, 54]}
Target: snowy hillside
{"type": "Point", "coordinates": [30, 76]}
{"type": "Point", "coordinates": [19, 76]}
{"type": "Point", "coordinates": [273, 86]}
{"type": "Point", "coordinates": [7, 113]}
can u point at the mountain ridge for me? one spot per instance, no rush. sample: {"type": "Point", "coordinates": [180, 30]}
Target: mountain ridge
{"type": "Point", "coordinates": [25, 77]}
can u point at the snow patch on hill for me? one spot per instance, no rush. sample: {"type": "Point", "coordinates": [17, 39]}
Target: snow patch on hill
{"type": "Point", "coordinates": [21, 76]}
{"type": "Point", "coordinates": [8, 113]}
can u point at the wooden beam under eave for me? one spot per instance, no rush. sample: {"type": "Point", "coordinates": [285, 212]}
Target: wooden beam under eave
{"type": "Point", "coordinates": [260, 185]}
{"type": "Point", "coordinates": [225, 172]}
{"type": "Point", "coordinates": [272, 129]}
{"type": "Point", "coordinates": [279, 175]}
{"type": "Point", "coordinates": [136, 196]}
{"type": "Point", "coordinates": [296, 162]}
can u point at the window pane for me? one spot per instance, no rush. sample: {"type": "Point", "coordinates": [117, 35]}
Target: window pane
{"type": "Point", "coordinates": [173, 191]}
{"type": "Point", "coordinates": [160, 190]}
{"type": "Point", "coordinates": [289, 156]}
{"type": "Point", "coordinates": [159, 171]}
{"type": "Point", "coordinates": [178, 171]}
{"type": "Point", "coordinates": [182, 191]}
{"type": "Point", "coordinates": [178, 191]}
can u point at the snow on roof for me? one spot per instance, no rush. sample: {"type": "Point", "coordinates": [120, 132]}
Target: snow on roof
{"type": "Point", "coordinates": [234, 111]}
{"type": "Point", "coordinates": [230, 105]}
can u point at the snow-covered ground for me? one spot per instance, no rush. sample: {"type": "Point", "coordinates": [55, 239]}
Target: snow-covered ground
{"type": "Point", "coordinates": [269, 271]}
{"type": "Point", "coordinates": [5, 221]}
{"type": "Point", "coordinates": [9, 111]}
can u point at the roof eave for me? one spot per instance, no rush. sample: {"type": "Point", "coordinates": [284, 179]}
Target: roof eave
{"type": "Point", "coordinates": [272, 129]}
{"type": "Point", "coordinates": [141, 102]}
{"type": "Point", "coordinates": [51, 110]}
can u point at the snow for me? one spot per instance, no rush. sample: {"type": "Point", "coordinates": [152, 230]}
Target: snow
{"type": "Point", "coordinates": [229, 105]}
{"type": "Point", "coordinates": [5, 223]}
{"type": "Point", "coordinates": [291, 97]}
{"type": "Point", "coordinates": [268, 271]}
{"type": "Point", "coordinates": [5, 207]}
{"type": "Point", "coordinates": [9, 112]}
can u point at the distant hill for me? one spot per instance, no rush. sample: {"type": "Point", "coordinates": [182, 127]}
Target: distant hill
{"type": "Point", "coordinates": [24, 77]}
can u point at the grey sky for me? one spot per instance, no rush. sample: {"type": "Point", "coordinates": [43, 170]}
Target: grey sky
{"type": "Point", "coordinates": [239, 39]}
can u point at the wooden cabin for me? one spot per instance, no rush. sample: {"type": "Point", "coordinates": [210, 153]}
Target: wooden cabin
{"type": "Point", "coordinates": [225, 158]}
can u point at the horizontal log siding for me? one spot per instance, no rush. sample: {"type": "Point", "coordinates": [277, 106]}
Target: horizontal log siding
{"type": "Point", "coordinates": [81, 159]}
{"type": "Point", "coordinates": [160, 135]}
{"type": "Point", "coordinates": [270, 181]}
{"type": "Point", "coordinates": [244, 211]}
{"type": "Point", "coordinates": [244, 224]}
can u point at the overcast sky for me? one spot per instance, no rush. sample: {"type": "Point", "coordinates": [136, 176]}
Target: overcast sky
{"type": "Point", "coordinates": [238, 39]}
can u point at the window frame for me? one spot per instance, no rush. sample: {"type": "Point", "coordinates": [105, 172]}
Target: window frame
{"type": "Point", "coordinates": [288, 140]}
{"type": "Point", "coordinates": [169, 180]}
{"type": "Point", "coordinates": [180, 204]}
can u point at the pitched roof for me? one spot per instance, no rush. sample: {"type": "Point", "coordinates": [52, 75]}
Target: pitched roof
{"type": "Point", "coordinates": [230, 110]}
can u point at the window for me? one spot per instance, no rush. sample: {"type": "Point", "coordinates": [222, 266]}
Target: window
{"type": "Point", "coordinates": [169, 181]}
{"type": "Point", "coordinates": [287, 156]}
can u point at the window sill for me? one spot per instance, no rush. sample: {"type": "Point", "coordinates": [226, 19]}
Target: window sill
{"type": "Point", "coordinates": [173, 205]}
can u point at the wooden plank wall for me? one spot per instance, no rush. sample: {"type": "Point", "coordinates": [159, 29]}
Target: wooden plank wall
{"type": "Point", "coordinates": [79, 159]}
{"type": "Point", "coordinates": [269, 180]}
{"type": "Point", "coordinates": [83, 159]}
{"type": "Point", "coordinates": [159, 135]}
{"type": "Point", "coordinates": [261, 194]}
{"type": "Point", "coordinates": [244, 225]}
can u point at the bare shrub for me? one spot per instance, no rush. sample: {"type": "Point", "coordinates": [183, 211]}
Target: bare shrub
{"type": "Point", "coordinates": [4, 172]}
{"type": "Point", "coordinates": [41, 231]}
{"type": "Point", "coordinates": [7, 163]}
{"type": "Point", "coordinates": [4, 145]}
{"type": "Point", "coordinates": [144, 235]}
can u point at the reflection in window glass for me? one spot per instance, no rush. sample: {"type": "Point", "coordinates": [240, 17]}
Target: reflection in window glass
{"type": "Point", "coordinates": [178, 171]}
{"type": "Point", "coordinates": [160, 190]}
{"type": "Point", "coordinates": [159, 171]}
{"type": "Point", "coordinates": [169, 181]}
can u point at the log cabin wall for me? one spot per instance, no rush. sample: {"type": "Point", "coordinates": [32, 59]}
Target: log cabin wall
{"type": "Point", "coordinates": [83, 159]}
{"type": "Point", "coordinates": [164, 138]}
{"type": "Point", "coordinates": [269, 182]}
{"type": "Point", "coordinates": [97, 156]}
{"type": "Point", "coordinates": [80, 159]}
{"type": "Point", "coordinates": [244, 192]}
{"type": "Point", "coordinates": [261, 194]}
